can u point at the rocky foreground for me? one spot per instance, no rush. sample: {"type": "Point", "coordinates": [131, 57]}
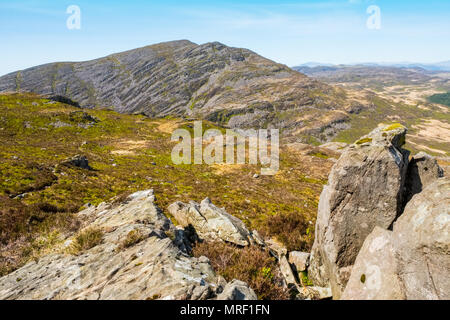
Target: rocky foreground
{"type": "Point", "coordinates": [153, 265]}
{"type": "Point", "coordinates": [382, 232]}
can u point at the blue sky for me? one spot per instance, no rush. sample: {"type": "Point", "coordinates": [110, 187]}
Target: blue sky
{"type": "Point", "coordinates": [289, 32]}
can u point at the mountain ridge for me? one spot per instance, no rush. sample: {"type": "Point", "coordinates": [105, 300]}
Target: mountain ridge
{"type": "Point", "coordinates": [231, 86]}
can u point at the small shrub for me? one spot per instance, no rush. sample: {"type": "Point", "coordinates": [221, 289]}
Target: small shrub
{"type": "Point", "coordinates": [14, 219]}
{"type": "Point", "coordinates": [319, 155]}
{"type": "Point", "coordinates": [305, 279]}
{"type": "Point", "coordinates": [291, 229]}
{"type": "Point", "coordinates": [133, 237]}
{"type": "Point", "coordinates": [86, 240]}
{"type": "Point", "coordinates": [250, 264]}
{"type": "Point", "coordinates": [47, 207]}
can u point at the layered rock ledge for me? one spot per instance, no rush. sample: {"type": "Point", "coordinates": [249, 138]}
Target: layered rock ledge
{"type": "Point", "coordinates": [151, 266]}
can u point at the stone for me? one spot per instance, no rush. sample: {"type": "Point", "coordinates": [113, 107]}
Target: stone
{"type": "Point", "coordinates": [374, 274]}
{"type": "Point", "coordinates": [288, 275]}
{"type": "Point", "coordinates": [422, 243]}
{"type": "Point", "coordinates": [423, 170]}
{"type": "Point", "coordinates": [78, 161]}
{"type": "Point", "coordinates": [364, 190]}
{"type": "Point", "coordinates": [257, 239]}
{"type": "Point", "coordinates": [314, 293]}
{"type": "Point", "coordinates": [412, 261]}
{"type": "Point", "coordinates": [276, 248]}
{"type": "Point", "coordinates": [153, 268]}
{"type": "Point", "coordinates": [60, 124]}
{"type": "Point", "coordinates": [237, 290]}
{"type": "Point", "coordinates": [210, 222]}
{"type": "Point", "coordinates": [300, 260]}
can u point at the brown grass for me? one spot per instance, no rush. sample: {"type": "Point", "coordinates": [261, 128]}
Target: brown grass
{"type": "Point", "coordinates": [292, 229]}
{"type": "Point", "coordinates": [250, 264]}
{"type": "Point", "coordinates": [86, 240]}
{"type": "Point", "coordinates": [133, 237]}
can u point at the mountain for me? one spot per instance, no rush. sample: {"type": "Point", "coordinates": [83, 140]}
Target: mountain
{"type": "Point", "coordinates": [315, 64]}
{"type": "Point", "coordinates": [235, 88]}
{"type": "Point", "coordinates": [231, 86]}
{"type": "Point", "coordinates": [438, 66]}
{"type": "Point", "coordinates": [385, 75]}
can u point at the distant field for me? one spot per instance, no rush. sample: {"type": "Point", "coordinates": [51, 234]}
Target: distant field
{"type": "Point", "coordinates": [441, 98]}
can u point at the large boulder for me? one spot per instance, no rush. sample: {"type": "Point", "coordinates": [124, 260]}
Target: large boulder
{"type": "Point", "coordinates": [413, 260]}
{"type": "Point", "coordinates": [210, 222]}
{"type": "Point", "coordinates": [136, 259]}
{"type": "Point", "coordinates": [364, 190]}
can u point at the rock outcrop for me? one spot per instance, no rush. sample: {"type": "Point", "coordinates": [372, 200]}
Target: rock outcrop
{"type": "Point", "coordinates": [210, 222]}
{"type": "Point", "coordinates": [364, 190]}
{"type": "Point", "coordinates": [78, 161]}
{"type": "Point", "coordinates": [413, 260]}
{"type": "Point", "coordinates": [422, 243]}
{"type": "Point", "coordinates": [150, 266]}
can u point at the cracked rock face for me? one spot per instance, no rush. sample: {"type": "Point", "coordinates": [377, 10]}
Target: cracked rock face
{"type": "Point", "coordinates": [364, 190]}
{"type": "Point", "coordinates": [373, 275]}
{"type": "Point", "coordinates": [422, 243]}
{"type": "Point", "coordinates": [154, 268]}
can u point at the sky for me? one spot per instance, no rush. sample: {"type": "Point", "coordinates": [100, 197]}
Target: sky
{"type": "Point", "coordinates": [287, 31]}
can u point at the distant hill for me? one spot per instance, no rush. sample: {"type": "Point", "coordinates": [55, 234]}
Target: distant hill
{"type": "Point", "coordinates": [438, 66]}
{"type": "Point", "coordinates": [377, 77]}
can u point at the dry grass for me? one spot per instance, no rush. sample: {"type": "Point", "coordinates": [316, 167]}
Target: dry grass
{"type": "Point", "coordinates": [85, 240]}
{"type": "Point", "coordinates": [292, 229]}
{"type": "Point", "coordinates": [250, 264]}
{"type": "Point", "coordinates": [133, 237]}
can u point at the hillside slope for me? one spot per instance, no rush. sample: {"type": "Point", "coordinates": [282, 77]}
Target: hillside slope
{"type": "Point", "coordinates": [40, 191]}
